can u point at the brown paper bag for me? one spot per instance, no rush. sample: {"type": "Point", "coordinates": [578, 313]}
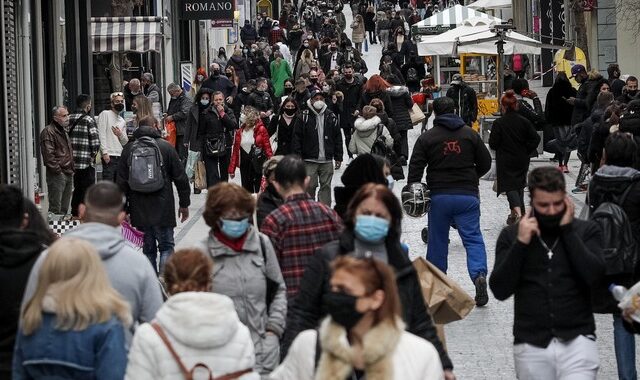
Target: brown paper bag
{"type": "Point", "coordinates": [200, 176]}
{"type": "Point", "coordinates": [447, 301]}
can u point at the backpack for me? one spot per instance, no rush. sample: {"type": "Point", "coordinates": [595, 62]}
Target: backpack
{"type": "Point", "coordinates": [412, 74]}
{"type": "Point", "coordinates": [517, 62]}
{"type": "Point", "coordinates": [619, 245]}
{"type": "Point", "coordinates": [145, 166]}
{"type": "Point", "coordinates": [379, 146]}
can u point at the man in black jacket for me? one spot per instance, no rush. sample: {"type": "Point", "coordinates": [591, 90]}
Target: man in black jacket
{"type": "Point", "coordinates": [178, 110]}
{"type": "Point", "coordinates": [317, 139]}
{"type": "Point", "coordinates": [581, 103]}
{"type": "Point", "coordinates": [548, 262]}
{"type": "Point", "coordinates": [455, 158]}
{"type": "Point", "coordinates": [154, 213]}
{"type": "Point", "coordinates": [351, 88]}
{"type": "Point", "coordinates": [465, 99]}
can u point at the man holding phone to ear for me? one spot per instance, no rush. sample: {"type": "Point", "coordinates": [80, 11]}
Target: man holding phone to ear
{"type": "Point", "coordinates": [548, 261]}
{"type": "Point", "coordinates": [113, 136]}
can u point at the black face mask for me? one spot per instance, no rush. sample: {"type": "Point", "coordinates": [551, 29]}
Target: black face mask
{"type": "Point", "coordinates": [289, 112]}
{"type": "Point", "coordinates": [342, 309]}
{"type": "Point", "coordinates": [313, 80]}
{"type": "Point", "coordinates": [348, 76]}
{"type": "Point", "coordinates": [118, 107]}
{"type": "Point", "coordinates": [229, 75]}
{"type": "Point", "coordinates": [333, 49]}
{"type": "Point", "coordinates": [216, 73]}
{"type": "Point", "coordinates": [632, 93]}
{"type": "Point", "coordinates": [288, 90]}
{"type": "Point", "coordinates": [549, 222]}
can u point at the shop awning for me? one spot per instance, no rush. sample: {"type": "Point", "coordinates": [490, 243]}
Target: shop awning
{"type": "Point", "coordinates": [448, 19]}
{"type": "Point", "coordinates": [125, 34]}
{"type": "Point", "coordinates": [490, 4]}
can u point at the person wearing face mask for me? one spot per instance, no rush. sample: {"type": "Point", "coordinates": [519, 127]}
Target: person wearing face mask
{"type": "Point", "coordinates": [248, 34]}
{"type": "Point", "coordinates": [364, 335]}
{"type": "Point", "coordinates": [201, 75]}
{"type": "Point", "coordinates": [113, 136]}
{"type": "Point", "coordinates": [57, 156]}
{"type": "Point", "coordinates": [282, 126]}
{"type": "Point", "coordinates": [630, 90]}
{"type": "Point", "coordinates": [199, 120]}
{"type": "Point", "coordinates": [351, 86]}
{"type": "Point", "coordinates": [548, 262]}
{"type": "Point", "coordinates": [372, 229]}
{"type": "Point", "coordinates": [331, 59]}
{"type": "Point", "coordinates": [238, 63]}
{"type": "Point", "coordinates": [218, 82]}
{"type": "Point", "coordinates": [131, 90]}
{"type": "Point", "coordinates": [261, 100]}
{"type": "Point", "coordinates": [294, 39]}
{"type": "Point", "coordinates": [318, 140]}
{"type": "Point", "coordinates": [178, 112]}
{"type": "Point", "coordinates": [244, 263]}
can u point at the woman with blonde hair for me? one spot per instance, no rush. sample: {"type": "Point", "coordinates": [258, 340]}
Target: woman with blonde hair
{"type": "Point", "coordinates": [199, 326]}
{"type": "Point", "coordinates": [143, 108]}
{"type": "Point", "coordinates": [364, 335]}
{"type": "Point", "coordinates": [73, 326]}
{"type": "Point", "coordinates": [304, 63]}
{"type": "Point", "coordinates": [358, 34]}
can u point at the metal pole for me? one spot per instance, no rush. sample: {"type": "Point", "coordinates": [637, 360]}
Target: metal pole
{"type": "Point", "coordinates": [500, 78]}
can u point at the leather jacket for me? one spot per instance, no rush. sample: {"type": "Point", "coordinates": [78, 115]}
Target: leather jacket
{"type": "Point", "coordinates": [57, 153]}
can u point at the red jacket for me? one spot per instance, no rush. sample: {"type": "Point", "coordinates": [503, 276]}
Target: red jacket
{"type": "Point", "coordinates": [261, 137]}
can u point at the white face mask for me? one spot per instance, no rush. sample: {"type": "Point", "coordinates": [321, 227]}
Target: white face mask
{"type": "Point", "coordinates": [318, 104]}
{"type": "Point", "coordinates": [390, 182]}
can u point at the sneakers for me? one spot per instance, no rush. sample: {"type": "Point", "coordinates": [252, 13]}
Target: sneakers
{"type": "Point", "coordinates": [482, 297]}
{"type": "Point", "coordinates": [580, 189]}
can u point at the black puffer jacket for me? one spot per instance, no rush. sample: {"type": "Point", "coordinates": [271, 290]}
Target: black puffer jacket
{"type": "Point", "coordinates": [401, 103]}
{"type": "Point", "coordinates": [305, 135]}
{"type": "Point", "coordinates": [285, 134]}
{"type": "Point", "coordinates": [268, 201]}
{"type": "Point", "coordinates": [585, 98]}
{"type": "Point", "coordinates": [306, 311]}
{"type": "Point", "coordinates": [557, 111]}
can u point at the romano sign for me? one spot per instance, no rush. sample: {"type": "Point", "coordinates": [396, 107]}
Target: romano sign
{"type": "Point", "coordinates": [207, 10]}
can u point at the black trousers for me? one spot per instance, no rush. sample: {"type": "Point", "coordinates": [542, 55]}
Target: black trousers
{"type": "Point", "coordinates": [404, 144]}
{"type": "Point", "coordinates": [82, 179]}
{"type": "Point", "coordinates": [248, 176]}
{"type": "Point", "coordinates": [217, 169]}
{"type": "Point", "coordinates": [181, 149]}
{"type": "Point", "coordinates": [372, 36]}
{"type": "Point", "coordinates": [109, 170]}
{"type": "Point", "coordinates": [347, 140]}
{"type": "Point", "coordinates": [516, 199]}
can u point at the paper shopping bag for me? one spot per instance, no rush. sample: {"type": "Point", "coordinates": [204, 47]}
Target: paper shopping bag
{"type": "Point", "coordinates": [447, 301]}
{"type": "Point", "coordinates": [417, 116]}
{"type": "Point", "coordinates": [200, 180]}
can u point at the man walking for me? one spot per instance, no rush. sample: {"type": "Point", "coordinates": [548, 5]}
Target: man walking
{"type": "Point", "coordinates": [178, 110]}
{"type": "Point", "coordinates": [300, 226]}
{"type": "Point", "coordinates": [154, 212]}
{"type": "Point", "coordinates": [351, 88]}
{"type": "Point", "coordinates": [85, 142]}
{"type": "Point", "coordinates": [317, 139]}
{"type": "Point", "coordinates": [464, 98]}
{"type": "Point", "coordinates": [151, 89]}
{"type": "Point", "coordinates": [455, 158]}
{"type": "Point", "coordinates": [57, 155]}
{"type": "Point", "coordinates": [112, 131]}
{"type": "Point", "coordinates": [548, 262]}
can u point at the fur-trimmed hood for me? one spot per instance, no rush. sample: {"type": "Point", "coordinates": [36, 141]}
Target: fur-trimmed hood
{"type": "Point", "coordinates": [337, 355]}
{"type": "Point", "coordinates": [396, 91]}
{"type": "Point", "coordinates": [366, 127]}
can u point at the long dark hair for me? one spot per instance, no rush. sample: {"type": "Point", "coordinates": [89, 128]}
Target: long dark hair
{"type": "Point", "coordinates": [384, 195]}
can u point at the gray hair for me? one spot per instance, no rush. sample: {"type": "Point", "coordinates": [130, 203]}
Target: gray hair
{"type": "Point", "coordinates": [148, 77]}
{"type": "Point", "coordinates": [173, 87]}
{"type": "Point", "coordinates": [134, 81]}
{"type": "Point", "coordinates": [56, 109]}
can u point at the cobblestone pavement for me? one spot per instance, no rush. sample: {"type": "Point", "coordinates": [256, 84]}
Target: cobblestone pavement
{"type": "Point", "coordinates": [480, 345]}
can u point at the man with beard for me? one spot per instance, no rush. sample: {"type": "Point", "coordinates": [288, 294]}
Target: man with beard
{"type": "Point", "coordinates": [630, 92]}
{"type": "Point", "coordinates": [548, 262]}
{"type": "Point", "coordinates": [351, 87]}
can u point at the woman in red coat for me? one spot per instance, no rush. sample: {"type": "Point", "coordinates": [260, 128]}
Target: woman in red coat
{"type": "Point", "coordinates": [251, 148]}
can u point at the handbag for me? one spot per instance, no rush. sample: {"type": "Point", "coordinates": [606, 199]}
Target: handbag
{"type": "Point", "coordinates": [257, 157]}
{"type": "Point", "coordinates": [200, 180]}
{"type": "Point", "coordinates": [416, 114]}
{"type": "Point", "coordinates": [215, 146]}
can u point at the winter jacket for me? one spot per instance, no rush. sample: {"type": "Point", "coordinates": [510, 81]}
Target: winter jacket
{"type": "Point", "coordinates": [97, 352]}
{"type": "Point", "coordinates": [220, 83]}
{"type": "Point", "coordinates": [203, 328]}
{"type": "Point", "coordinates": [261, 140]}
{"type": "Point", "coordinates": [366, 133]}
{"type": "Point", "coordinates": [155, 209]}
{"type": "Point", "coordinates": [466, 102]}
{"type": "Point", "coordinates": [284, 134]}
{"type": "Point", "coordinates": [129, 272]}
{"type": "Point", "coordinates": [608, 183]}
{"type": "Point", "coordinates": [585, 98]}
{"type": "Point", "coordinates": [295, 39]}
{"type": "Point", "coordinates": [239, 64]}
{"type": "Point", "coordinates": [514, 139]}
{"type": "Point", "coordinates": [352, 92]}
{"type": "Point", "coordinates": [358, 34]}
{"type": "Point", "coordinates": [154, 93]}
{"type": "Point", "coordinates": [396, 167]}
{"type": "Point", "coordinates": [534, 114]}
{"type": "Point", "coordinates": [401, 103]}
{"type": "Point", "coordinates": [213, 124]}
{"type": "Point", "coordinates": [390, 353]}
{"type": "Point", "coordinates": [280, 73]}
{"type": "Point", "coordinates": [413, 84]}
{"type": "Point", "coordinates": [307, 309]}
{"type": "Point", "coordinates": [261, 100]}
{"type": "Point", "coordinates": [370, 21]}
{"type": "Point", "coordinates": [242, 276]}
{"type": "Point", "coordinates": [268, 201]}
{"type": "Point", "coordinates": [557, 111]}
{"type": "Point", "coordinates": [57, 153]}
{"type": "Point", "coordinates": [179, 110]}
{"type": "Point", "coordinates": [306, 142]}
{"type": "Point", "coordinates": [19, 250]}
{"type": "Point", "coordinates": [367, 97]}
{"type": "Point", "coordinates": [454, 155]}
{"type": "Point", "coordinates": [248, 34]}
{"type": "Point", "coordinates": [584, 132]}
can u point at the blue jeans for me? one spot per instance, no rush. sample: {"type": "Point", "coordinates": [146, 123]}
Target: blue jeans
{"type": "Point", "coordinates": [625, 346]}
{"type": "Point", "coordinates": [464, 211]}
{"type": "Point", "coordinates": [158, 239]}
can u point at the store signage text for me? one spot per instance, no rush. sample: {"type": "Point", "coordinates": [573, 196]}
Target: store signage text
{"type": "Point", "coordinates": [207, 10]}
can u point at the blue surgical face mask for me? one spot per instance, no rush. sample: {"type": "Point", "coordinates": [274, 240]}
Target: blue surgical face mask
{"type": "Point", "coordinates": [371, 229]}
{"type": "Point", "coordinates": [390, 181]}
{"type": "Point", "coordinates": [234, 228]}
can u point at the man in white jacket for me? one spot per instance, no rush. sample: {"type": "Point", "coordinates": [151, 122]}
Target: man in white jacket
{"type": "Point", "coordinates": [113, 136]}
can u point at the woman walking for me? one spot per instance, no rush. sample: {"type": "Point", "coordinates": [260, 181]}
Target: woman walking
{"type": "Point", "coordinates": [370, 24]}
{"type": "Point", "coordinates": [358, 33]}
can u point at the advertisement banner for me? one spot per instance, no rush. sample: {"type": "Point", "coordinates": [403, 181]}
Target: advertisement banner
{"type": "Point", "coordinates": [207, 10]}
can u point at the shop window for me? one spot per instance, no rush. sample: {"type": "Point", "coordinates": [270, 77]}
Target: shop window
{"type": "Point", "coordinates": [265, 6]}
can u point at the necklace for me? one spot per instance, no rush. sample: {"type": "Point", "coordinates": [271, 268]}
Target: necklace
{"type": "Point", "coordinates": [549, 250]}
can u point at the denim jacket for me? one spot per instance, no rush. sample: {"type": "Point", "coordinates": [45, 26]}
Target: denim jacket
{"type": "Point", "coordinates": [97, 352]}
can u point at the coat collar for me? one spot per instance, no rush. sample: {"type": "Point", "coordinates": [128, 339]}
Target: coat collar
{"type": "Point", "coordinates": [251, 244]}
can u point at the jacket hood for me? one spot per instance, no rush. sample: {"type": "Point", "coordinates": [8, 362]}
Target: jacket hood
{"type": "Point", "coordinates": [310, 105]}
{"type": "Point", "coordinates": [612, 171]}
{"type": "Point", "coordinates": [199, 319]}
{"type": "Point", "coordinates": [108, 240]}
{"type": "Point", "coordinates": [396, 91]}
{"type": "Point", "coordinates": [146, 131]}
{"type": "Point", "coordinates": [18, 246]}
{"type": "Point", "coordinates": [449, 121]}
{"type": "Point", "coordinates": [365, 126]}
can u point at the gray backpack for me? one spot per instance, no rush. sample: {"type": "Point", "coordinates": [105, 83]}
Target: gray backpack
{"type": "Point", "coordinates": [145, 166]}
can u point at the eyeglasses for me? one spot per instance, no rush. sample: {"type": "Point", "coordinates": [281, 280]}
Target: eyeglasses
{"type": "Point", "coordinates": [114, 94]}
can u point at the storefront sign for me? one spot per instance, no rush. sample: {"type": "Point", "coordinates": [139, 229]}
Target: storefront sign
{"type": "Point", "coordinates": [552, 31]}
{"type": "Point", "coordinates": [222, 23]}
{"type": "Point", "coordinates": [207, 10]}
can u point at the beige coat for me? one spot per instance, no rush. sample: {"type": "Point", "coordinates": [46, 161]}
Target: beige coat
{"type": "Point", "coordinates": [358, 33]}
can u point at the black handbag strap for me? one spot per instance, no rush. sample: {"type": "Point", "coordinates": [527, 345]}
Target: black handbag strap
{"type": "Point", "coordinates": [75, 123]}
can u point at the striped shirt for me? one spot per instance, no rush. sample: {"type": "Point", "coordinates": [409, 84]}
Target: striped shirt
{"type": "Point", "coordinates": [85, 140]}
{"type": "Point", "coordinates": [297, 229]}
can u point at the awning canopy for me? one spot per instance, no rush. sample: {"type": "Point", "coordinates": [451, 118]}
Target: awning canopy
{"type": "Point", "coordinates": [475, 37]}
{"type": "Point", "coordinates": [448, 19]}
{"type": "Point", "coordinates": [125, 34]}
{"type": "Point", "coordinates": [490, 4]}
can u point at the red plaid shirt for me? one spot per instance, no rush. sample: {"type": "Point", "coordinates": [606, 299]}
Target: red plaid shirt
{"type": "Point", "coordinates": [297, 229]}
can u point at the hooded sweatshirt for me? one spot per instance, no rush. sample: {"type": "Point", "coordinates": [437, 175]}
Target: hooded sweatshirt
{"type": "Point", "coordinates": [130, 272]}
{"type": "Point", "coordinates": [454, 155]}
{"type": "Point", "coordinates": [19, 249]}
{"type": "Point", "coordinates": [202, 328]}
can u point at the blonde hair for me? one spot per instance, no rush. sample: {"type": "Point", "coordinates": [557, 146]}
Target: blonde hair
{"type": "Point", "coordinates": [251, 113]}
{"type": "Point", "coordinates": [73, 275]}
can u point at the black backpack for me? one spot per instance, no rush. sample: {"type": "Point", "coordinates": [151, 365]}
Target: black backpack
{"type": "Point", "coordinates": [412, 75]}
{"type": "Point", "coordinates": [379, 146]}
{"type": "Point", "coordinates": [145, 166]}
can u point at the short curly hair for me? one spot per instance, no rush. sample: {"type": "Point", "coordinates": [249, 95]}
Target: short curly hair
{"type": "Point", "coordinates": [224, 197]}
{"type": "Point", "coordinates": [188, 270]}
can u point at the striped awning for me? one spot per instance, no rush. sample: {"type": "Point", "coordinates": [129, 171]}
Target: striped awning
{"type": "Point", "coordinates": [124, 34]}
{"type": "Point", "coordinates": [448, 19]}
